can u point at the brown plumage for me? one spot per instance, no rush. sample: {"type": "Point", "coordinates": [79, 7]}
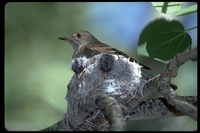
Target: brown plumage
{"type": "Point", "coordinates": [85, 44]}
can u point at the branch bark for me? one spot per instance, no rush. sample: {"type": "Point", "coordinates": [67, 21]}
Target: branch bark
{"type": "Point", "coordinates": [170, 95]}
{"type": "Point", "coordinates": [158, 108]}
{"type": "Point", "coordinates": [112, 110]}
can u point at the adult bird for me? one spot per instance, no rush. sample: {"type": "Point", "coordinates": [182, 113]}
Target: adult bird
{"type": "Point", "coordinates": [85, 44]}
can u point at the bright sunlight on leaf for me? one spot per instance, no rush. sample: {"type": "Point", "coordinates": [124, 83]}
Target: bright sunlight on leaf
{"type": "Point", "coordinates": [163, 39]}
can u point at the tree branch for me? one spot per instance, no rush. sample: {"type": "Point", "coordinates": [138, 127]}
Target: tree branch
{"type": "Point", "coordinates": [171, 71]}
{"type": "Point", "coordinates": [157, 108]}
{"type": "Point", "coordinates": [112, 110]}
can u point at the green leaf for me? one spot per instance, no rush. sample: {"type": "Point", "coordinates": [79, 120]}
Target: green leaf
{"type": "Point", "coordinates": [167, 7]}
{"type": "Point", "coordinates": [163, 39]}
{"type": "Point", "coordinates": [187, 10]}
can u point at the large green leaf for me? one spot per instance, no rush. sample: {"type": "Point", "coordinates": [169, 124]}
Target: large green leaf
{"type": "Point", "coordinates": [167, 7]}
{"type": "Point", "coordinates": [162, 39]}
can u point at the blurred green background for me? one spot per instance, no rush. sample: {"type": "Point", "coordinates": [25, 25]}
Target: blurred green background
{"type": "Point", "coordinates": [38, 65]}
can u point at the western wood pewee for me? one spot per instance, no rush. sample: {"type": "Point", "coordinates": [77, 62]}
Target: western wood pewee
{"type": "Point", "coordinates": [85, 44]}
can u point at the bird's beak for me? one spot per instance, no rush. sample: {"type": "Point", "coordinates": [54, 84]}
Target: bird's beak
{"type": "Point", "coordinates": [63, 38]}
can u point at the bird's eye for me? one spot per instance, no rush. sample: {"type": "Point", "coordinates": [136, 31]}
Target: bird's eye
{"type": "Point", "coordinates": [79, 35]}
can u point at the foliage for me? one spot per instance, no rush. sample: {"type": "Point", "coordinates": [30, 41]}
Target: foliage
{"type": "Point", "coordinates": [163, 38]}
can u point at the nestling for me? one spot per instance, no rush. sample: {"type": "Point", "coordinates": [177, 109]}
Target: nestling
{"type": "Point", "coordinates": [106, 63]}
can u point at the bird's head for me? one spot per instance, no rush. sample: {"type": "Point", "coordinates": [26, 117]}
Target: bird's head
{"type": "Point", "coordinates": [79, 39]}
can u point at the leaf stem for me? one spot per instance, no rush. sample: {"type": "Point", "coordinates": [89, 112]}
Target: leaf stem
{"type": "Point", "coordinates": [191, 28]}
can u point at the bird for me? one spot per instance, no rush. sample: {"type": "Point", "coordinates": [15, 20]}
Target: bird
{"type": "Point", "coordinates": [79, 66]}
{"type": "Point", "coordinates": [85, 44]}
{"type": "Point", "coordinates": [106, 63]}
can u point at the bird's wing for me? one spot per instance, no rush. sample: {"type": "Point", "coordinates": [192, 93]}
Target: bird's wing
{"type": "Point", "coordinates": [101, 47]}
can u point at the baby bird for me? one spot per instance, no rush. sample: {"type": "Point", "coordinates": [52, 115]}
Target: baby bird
{"type": "Point", "coordinates": [79, 66]}
{"type": "Point", "coordinates": [106, 63]}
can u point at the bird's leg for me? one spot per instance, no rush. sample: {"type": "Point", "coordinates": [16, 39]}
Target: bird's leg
{"type": "Point", "coordinates": [129, 58]}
